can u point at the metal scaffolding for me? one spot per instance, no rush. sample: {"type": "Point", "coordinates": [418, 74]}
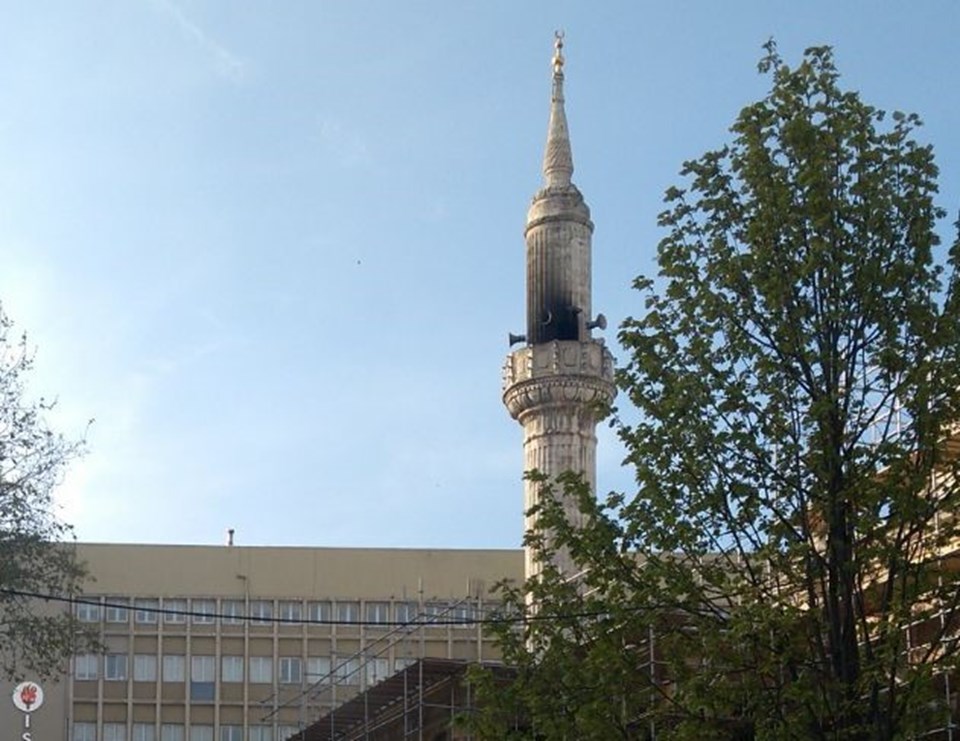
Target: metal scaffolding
{"type": "Point", "coordinates": [348, 693]}
{"type": "Point", "coordinates": [419, 703]}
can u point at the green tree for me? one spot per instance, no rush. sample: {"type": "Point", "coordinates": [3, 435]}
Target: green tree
{"type": "Point", "coordinates": [787, 567]}
{"type": "Point", "coordinates": [36, 637]}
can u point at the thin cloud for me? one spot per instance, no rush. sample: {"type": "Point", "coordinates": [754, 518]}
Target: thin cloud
{"type": "Point", "coordinates": [169, 364]}
{"type": "Point", "coordinates": [228, 64]}
{"type": "Point", "coordinates": [349, 148]}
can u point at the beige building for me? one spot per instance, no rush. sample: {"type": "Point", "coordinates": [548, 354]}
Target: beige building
{"type": "Point", "coordinates": [230, 643]}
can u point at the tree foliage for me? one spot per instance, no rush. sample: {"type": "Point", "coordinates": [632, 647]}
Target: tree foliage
{"type": "Point", "coordinates": [36, 637]}
{"type": "Point", "coordinates": [788, 566]}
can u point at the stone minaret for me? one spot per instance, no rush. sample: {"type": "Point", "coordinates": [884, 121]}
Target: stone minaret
{"type": "Point", "coordinates": [556, 384]}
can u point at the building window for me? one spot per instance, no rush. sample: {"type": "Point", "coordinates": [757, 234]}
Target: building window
{"type": "Point", "coordinates": [145, 611]}
{"type": "Point", "coordinates": [464, 612]}
{"type": "Point", "coordinates": [318, 669]}
{"type": "Point", "coordinates": [378, 612]}
{"type": "Point", "coordinates": [174, 668]}
{"type": "Point", "coordinates": [171, 732]}
{"type": "Point", "coordinates": [437, 612]}
{"type": "Point", "coordinates": [144, 732]}
{"type": "Point", "coordinates": [231, 668]}
{"type": "Point", "coordinates": [290, 670]}
{"type": "Point", "coordinates": [291, 611]}
{"type": "Point", "coordinates": [201, 733]}
{"type": "Point", "coordinates": [88, 612]}
{"type": "Point", "coordinates": [376, 670]}
{"type": "Point", "coordinates": [320, 612]}
{"type": "Point", "coordinates": [261, 733]}
{"type": "Point", "coordinates": [114, 732]}
{"type": "Point", "coordinates": [203, 674]}
{"type": "Point", "coordinates": [285, 732]}
{"type": "Point", "coordinates": [144, 668]}
{"type": "Point", "coordinates": [406, 611]}
{"type": "Point", "coordinates": [203, 691]}
{"type": "Point", "coordinates": [174, 611]}
{"type": "Point", "coordinates": [261, 669]}
{"type": "Point", "coordinates": [347, 671]}
{"type": "Point", "coordinates": [402, 662]}
{"type": "Point", "coordinates": [115, 667]}
{"type": "Point", "coordinates": [85, 666]}
{"type": "Point", "coordinates": [348, 612]}
{"type": "Point", "coordinates": [232, 611]}
{"type": "Point", "coordinates": [84, 732]}
{"type": "Point", "coordinates": [231, 733]}
{"type": "Point", "coordinates": [203, 668]}
{"type": "Point", "coordinates": [204, 611]}
{"type": "Point", "coordinates": [261, 610]}
{"type": "Point", "coordinates": [115, 610]}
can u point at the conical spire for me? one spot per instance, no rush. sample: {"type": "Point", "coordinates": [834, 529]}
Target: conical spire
{"type": "Point", "coordinates": [557, 159]}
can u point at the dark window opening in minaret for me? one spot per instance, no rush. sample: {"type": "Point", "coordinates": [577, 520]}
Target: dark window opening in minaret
{"type": "Point", "coordinates": [569, 327]}
{"type": "Point", "coordinates": [561, 323]}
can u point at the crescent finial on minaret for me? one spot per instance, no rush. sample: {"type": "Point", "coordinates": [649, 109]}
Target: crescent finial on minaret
{"type": "Point", "coordinates": [558, 51]}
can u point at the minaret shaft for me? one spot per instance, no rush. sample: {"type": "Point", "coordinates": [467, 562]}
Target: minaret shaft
{"type": "Point", "coordinates": [558, 386]}
{"type": "Point", "coordinates": [557, 439]}
{"type": "Point", "coordinates": [558, 236]}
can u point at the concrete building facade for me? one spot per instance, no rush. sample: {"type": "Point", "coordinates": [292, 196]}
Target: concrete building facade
{"type": "Point", "coordinates": [229, 643]}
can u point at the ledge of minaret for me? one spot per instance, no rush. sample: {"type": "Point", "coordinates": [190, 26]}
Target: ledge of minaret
{"type": "Point", "coordinates": [558, 372]}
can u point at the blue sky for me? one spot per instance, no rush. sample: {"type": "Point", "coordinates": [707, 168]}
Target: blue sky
{"type": "Point", "coordinates": [275, 249]}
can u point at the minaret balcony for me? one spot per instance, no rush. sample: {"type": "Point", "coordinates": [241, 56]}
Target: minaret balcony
{"type": "Point", "coordinates": [559, 372]}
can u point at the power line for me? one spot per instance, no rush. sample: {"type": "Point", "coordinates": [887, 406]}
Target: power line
{"type": "Point", "coordinates": [416, 622]}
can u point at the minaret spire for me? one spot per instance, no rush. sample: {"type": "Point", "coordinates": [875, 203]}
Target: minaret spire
{"type": "Point", "coordinates": [558, 157]}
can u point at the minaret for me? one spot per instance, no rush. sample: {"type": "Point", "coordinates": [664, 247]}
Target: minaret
{"type": "Point", "coordinates": [558, 383]}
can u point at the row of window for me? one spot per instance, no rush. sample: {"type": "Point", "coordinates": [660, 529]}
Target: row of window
{"type": "Point", "coordinates": [255, 669]}
{"type": "Point", "coordinates": [235, 611]}
{"type": "Point", "coordinates": [84, 731]}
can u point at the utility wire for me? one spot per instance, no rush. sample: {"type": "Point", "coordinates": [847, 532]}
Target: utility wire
{"type": "Point", "coordinates": [430, 622]}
